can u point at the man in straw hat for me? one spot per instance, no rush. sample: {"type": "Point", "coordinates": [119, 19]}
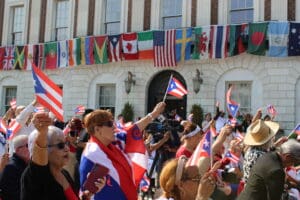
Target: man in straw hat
{"type": "Point", "coordinates": [259, 139]}
{"type": "Point", "coordinates": [267, 178]}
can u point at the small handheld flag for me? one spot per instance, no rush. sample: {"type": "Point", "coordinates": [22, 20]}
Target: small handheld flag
{"type": "Point", "coordinates": [175, 88]}
{"type": "Point", "coordinates": [271, 110]}
{"type": "Point", "coordinates": [79, 110]}
{"type": "Point", "coordinates": [232, 106]}
{"type": "Point", "coordinates": [295, 132]}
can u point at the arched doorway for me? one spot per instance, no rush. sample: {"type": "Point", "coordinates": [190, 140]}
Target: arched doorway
{"type": "Point", "coordinates": [157, 89]}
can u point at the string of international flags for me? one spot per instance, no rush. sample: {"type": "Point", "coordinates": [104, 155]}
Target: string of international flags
{"type": "Point", "coordinates": [164, 47]}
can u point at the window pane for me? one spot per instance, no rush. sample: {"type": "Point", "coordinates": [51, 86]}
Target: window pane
{"type": "Point", "coordinates": [107, 96]}
{"type": "Point", "coordinates": [18, 20]}
{"type": "Point", "coordinates": [241, 93]}
{"type": "Point", "coordinates": [61, 34]}
{"type": "Point", "coordinates": [241, 16]}
{"type": "Point", "coordinates": [17, 38]}
{"type": "Point", "coordinates": [171, 22]}
{"type": "Point", "coordinates": [249, 3]}
{"type": "Point", "coordinates": [234, 4]}
{"type": "Point", "coordinates": [172, 7]}
{"type": "Point", "coordinates": [9, 94]}
{"type": "Point", "coordinates": [62, 14]}
{"type": "Point", "coordinates": [113, 10]}
{"type": "Point", "coordinates": [113, 28]}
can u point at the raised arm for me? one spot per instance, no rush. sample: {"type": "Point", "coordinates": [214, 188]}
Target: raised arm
{"type": "Point", "coordinates": [41, 122]}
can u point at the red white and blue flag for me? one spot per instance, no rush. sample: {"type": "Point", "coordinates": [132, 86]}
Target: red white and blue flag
{"type": "Point", "coordinates": [79, 110]}
{"type": "Point", "coordinates": [271, 110]}
{"type": "Point", "coordinates": [297, 129]}
{"type": "Point", "coordinates": [114, 47]}
{"type": "Point", "coordinates": [232, 106]}
{"type": "Point", "coordinates": [39, 109]}
{"type": "Point", "coordinates": [3, 128]}
{"type": "Point", "coordinates": [233, 158]}
{"type": "Point", "coordinates": [176, 88]}
{"type": "Point", "coordinates": [13, 103]}
{"type": "Point", "coordinates": [219, 41]}
{"type": "Point", "coordinates": [238, 135]}
{"type": "Point", "coordinates": [145, 184]}
{"type": "Point", "coordinates": [164, 48]}
{"type": "Point", "coordinates": [203, 149]}
{"type": "Point", "coordinates": [48, 94]}
{"type": "Point", "coordinates": [13, 127]}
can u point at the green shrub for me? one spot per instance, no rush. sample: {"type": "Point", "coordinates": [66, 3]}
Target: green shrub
{"type": "Point", "coordinates": [127, 112]}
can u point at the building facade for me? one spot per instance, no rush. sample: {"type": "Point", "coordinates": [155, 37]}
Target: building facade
{"type": "Point", "coordinates": [259, 80]}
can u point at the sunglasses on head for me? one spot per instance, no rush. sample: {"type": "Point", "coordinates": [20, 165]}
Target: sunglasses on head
{"type": "Point", "coordinates": [107, 123]}
{"type": "Point", "coordinates": [60, 145]}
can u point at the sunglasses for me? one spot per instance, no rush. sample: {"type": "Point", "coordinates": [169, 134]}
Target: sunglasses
{"type": "Point", "coordinates": [107, 123]}
{"type": "Point", "coordinates": [60, 145]}
{"type": "Point", "coordinates": [25, 145]}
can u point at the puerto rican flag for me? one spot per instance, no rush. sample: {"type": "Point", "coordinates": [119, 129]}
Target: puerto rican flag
{"type": "Point", "coordinates": [176, 88]}
{"type": "Point", "coordinates": [12, 129]}
{"type": "Point", "coordinates": [271, 110]}
{"type": "Point", "coordinates": [13, 103]}
{"type": "Point", "coordinates": [238, 135]}
{"type": "Point", "coordinates": [3, 128]}
{"type": "Point", "coordinates": [79, 110]}
{"type": "Point", "coordinates": [39, 109]}
{"type": "Point", "coordinates": [232, 106]}
{"type": "Point", "coordinates": [233, 158]}
{"type": "Point", "coordinates": [203, 149]}
{"type": "Point", "coordinates": [114, 48]}
{"type": "Point", "coordinates": [145, 184]}
{"type": "Point", "coordinates": [48, 94]}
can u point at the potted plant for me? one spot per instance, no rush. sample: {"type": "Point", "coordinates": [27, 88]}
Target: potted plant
{"type": "Point", "coordinates": [127, 112]}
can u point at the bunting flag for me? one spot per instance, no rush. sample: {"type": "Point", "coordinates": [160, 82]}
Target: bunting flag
{"type": "Point", "coordinates": [114, 48]}
{"type": "Point", "coordinates": [50, 51]}
{"type": "Point", "coordinates": [129, 43]}
{"type": "Point", "coordinates": [257, 38]}
{"type": "Point", "coordinates": [183, 44]}
{"type": "Point", "coordinates": [294, 39]}
{"type": "Point", "coordinates": [201, 47]}
{"type": "Point", "coordinates": [19, 56]}
{"type": "Point", "coordinates": [2, 53]}
{"type": "Point", "coordinates": [62, 57]}
{"type": "Point", "coordinates": [271, 110]}
{"type": "Point", "coordinates": [145, 45]}
{"type": "Point", "coordinates": [278, 39]}
{"type": "Point", "coordinates": [100, 49]}
{"type": "Point", "coordinates": [219, 41]}
{"type": "Point", "coordinates": [8, 60]}
{"type": "Point", "coordinates": [48, 94]}
{"type": "Point", "coordinates": [74, 52]}
{"type": "Point", "coordinates": [176, 88]}
{"type": "Point", "coordinates": [79, 110]}
{"type": "Point", "coordinates": [164, 48]}
{"type": "Point", "coordinates": [88, 50]}
{"type": "Point", "coordinates": [238, 39]}
{"type": "Point", "coordinates": [203, 149]}
{"type": "Point", "coordinates": [232, 106]}
{"type": "Point", "coordinates": [35, 54]}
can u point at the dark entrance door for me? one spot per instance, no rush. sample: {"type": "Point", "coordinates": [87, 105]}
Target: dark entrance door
{"type": "Point", "coordinates": [157, 89]}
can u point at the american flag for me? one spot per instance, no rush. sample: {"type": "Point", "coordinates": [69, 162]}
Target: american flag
{"type": "Point", "coordinates": [48, 94]}
{"type": "Point", "coordinates": [164, 48]}
{"type": "Point", "coordinates": [271, 110]}
{"type": "Point", "coordinates": [203, 149]}
{"type": "Point", "coordinates": [13, 103]}
{"type": "Point", "coordinates": [79, 110]}
{"type": "Point", "coordinates": [176, 88]}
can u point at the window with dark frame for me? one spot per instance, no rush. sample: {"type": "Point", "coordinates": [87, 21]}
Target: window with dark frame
{"type": "Point", "coordinates": [171, 14]}
{"type": "Point", "coordinates": [18, 24]}
{"type": "Point", "coordinates": [241, 11]}
{"type": "Point", "coordinates": [62, 20]}
{"type": "Point", "coordinates": [10, 92]}
{"type": "Point", "coordinates": [112, 16]}
{"type": "Point", "coordinates": [107, 97]}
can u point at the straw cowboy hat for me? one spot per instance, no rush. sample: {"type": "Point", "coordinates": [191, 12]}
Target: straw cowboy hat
{"type": "Point", "coordinates": [260, 132]}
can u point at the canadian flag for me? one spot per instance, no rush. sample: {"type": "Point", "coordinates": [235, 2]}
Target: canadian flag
{"type": "Point", "coordinates": [130, 46]}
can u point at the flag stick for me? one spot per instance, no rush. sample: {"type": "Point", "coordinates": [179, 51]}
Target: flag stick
{"type": "Point", "coordinates": [167, 88]}
{"type": "Point", "coordinates": [291, 133]}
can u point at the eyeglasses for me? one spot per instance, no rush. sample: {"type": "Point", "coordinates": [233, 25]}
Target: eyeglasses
{"type": "Point", "coordinates": [25, 145]}
{"type": "Point", "coordinates": [107, 123]}
{"type": "Point", "coordinates": [60, 145]}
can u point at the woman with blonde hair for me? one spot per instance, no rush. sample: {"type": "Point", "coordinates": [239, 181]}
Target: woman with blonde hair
{"type": "Point", "coordinates": [180, 182]}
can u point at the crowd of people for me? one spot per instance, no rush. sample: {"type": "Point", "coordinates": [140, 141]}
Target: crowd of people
{"type": "Point", "coordinates": [48, 159]}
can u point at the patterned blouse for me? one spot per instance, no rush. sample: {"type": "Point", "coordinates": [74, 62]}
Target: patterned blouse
{"type": "Point", "coordinates": [251, 156]}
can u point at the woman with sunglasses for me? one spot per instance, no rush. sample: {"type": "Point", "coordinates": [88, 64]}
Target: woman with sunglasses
{"type": "Point", "coordinates": [102, 148]}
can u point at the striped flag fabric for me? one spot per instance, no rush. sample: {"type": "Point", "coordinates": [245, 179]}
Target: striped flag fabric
{"type": "Point", "coordinates": [183, 44]}
{"type": "Point", "coordinates": [202, 38]}
{"type": "Point", "coordinates": [74, 52]}
{"type": "Point", "coordinates": [48, 94]}
{"type": "Point", "coordinates": [35, 54]}
{"type": "Point", "coordinates": [278, 39]}
{"type": "Point", "coordinates": [62, 54]}
{"type": "Point", "coordinates": [219, 40]}
{"type": "Point", "coordinates": [87, 51]}
{"type": "Point", "coordinates": [164, 48]}
{"type": "Point", "coordinates": [145, 45]}
{"type": "Point", "coordinates": [232, 106]}
{"type": "Point", "coordinates": [145, 184]}
{"type": "Point", "coordinates": [129, 44]}
{"type": "Point", "coordinates": [39, 109]}
{"type": "Point", "coordinates": [176, 88]}
{"type": "Point", "coordinates": [203, 149]}
{"type": "Point", "coordinates": [79, 110]}
{"type": "Point", "coordinates": [233, 158]}
{"type": "Point", "coordinates": [271, 110]}
{"type": "Point", "coordinates": [13, 127]}
{"type": "Point", "coordinates": [114, 48]}
{"type": "Point", "coordinates": [13, 103]}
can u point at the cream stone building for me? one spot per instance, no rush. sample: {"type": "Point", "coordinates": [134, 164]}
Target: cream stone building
{"type": "Point", "coordinates": [260, 80]}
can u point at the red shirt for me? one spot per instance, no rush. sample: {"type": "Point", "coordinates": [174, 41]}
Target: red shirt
{"type": "Point", "coordinates": [183, 151]}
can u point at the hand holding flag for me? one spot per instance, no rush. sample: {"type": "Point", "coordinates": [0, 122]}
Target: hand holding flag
{"type": "Point", "coordinates": [232, 106]}
{"type": "Point", "coordinates": [175, 88]}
